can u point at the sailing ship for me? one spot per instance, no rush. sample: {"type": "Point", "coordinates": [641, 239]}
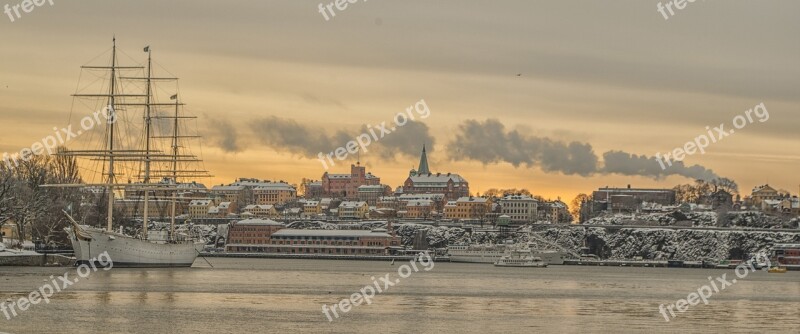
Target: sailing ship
{"type": "Point", "coordinates": [160, 153]}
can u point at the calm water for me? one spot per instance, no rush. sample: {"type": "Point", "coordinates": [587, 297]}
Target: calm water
{"type": "Point", "coordinates": [286, 296]}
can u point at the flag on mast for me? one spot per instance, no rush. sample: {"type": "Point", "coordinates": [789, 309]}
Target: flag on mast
{"type": "Point", "coordinates": [147, 48]}
{"type": "Point", "coordinates": [174, 97]}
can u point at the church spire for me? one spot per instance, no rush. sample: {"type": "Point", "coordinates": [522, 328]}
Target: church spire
{"type": "Point", "coordinates": [423, 163]}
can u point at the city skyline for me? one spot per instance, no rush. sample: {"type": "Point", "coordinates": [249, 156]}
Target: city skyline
{"type": "Point", "coordinates": [649, 92]}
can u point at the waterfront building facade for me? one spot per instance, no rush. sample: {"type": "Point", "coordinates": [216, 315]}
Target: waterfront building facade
{"type": "Point", "coordinates": [244, 234]}
{"type": "Point", "coordinates": [519, 208]}
{"type": "Point", "coordinates": [333, 242]}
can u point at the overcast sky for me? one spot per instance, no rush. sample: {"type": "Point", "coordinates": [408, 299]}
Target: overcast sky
{"type": "Point", "coordinates": [596, 76]}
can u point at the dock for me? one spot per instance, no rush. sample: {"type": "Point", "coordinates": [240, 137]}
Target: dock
{"type": "Point", "coordinates": [322, 256]}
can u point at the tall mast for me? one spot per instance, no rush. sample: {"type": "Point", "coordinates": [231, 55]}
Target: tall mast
{"type": "Point", "coordinates": [147, 121]}
{"type": "Point", "coordinates": [111, 109]}
{"type": "Point", "coordinates": [174, 168]}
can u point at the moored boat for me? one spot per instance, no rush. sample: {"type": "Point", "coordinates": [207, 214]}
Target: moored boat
{"type": "Point", "coordinates": [162, 153]}
{"type": "Point", "coordinates": [492, 253]}
{"type": "Point", "coordinates": [520, 258]}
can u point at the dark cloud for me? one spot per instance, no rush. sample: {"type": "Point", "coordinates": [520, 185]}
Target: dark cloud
{"type": "Point", "coordinates": [490, 142]}
{"type": "Point", "coordinates": [287, 135]}
{"type": "Point", "coordinates": [619, 162]}
{"type": "Point", "coordinates": [225, 135]}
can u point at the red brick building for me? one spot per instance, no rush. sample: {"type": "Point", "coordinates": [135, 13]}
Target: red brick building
{"type": "Point", "coordinates": [334, 242]}
{"type": "Point", "coordinates": [346, 185]}
{"type": "Point", "coordinates": [250, 232]}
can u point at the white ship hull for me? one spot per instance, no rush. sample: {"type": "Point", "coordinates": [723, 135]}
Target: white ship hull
{"type": "Point", "coordinates": [126, 251]}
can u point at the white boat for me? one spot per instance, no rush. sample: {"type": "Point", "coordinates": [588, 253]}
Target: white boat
{"type": "Point", "coordinates": [493, 253]}
{"type": "Point", "coordinates": [520, 258]}
{"type": "Point", "coordinates": [162, 153]}
{"type": "Point", "coordinates": [127, 251]}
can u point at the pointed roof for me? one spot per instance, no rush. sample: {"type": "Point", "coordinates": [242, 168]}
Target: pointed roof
{"type": "Point", "coordinates": [423, 163]}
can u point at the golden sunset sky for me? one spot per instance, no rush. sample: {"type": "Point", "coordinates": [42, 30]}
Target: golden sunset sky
{"type": "Point", "coordinates": [604, 75]}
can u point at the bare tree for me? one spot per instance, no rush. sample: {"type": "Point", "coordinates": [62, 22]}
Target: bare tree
{"type": "Point", "coordinates": [576, 205]}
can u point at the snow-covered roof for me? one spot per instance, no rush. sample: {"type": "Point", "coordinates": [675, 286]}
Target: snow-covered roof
{"type": "Point", "coordinates": [371, 187]}
{"type": "Point", "coordinates": [517, 198]}
{"type": "Point", "coordinates": [329, 233]}
{"type": "Point", "coordinates": [352, 204]}
{"type": "Point", "coordinates": [226, 188]}
{"type": "Point", "coordinates": [763, 187]}
{"type": "Point", "coordinates": [258, 206]}
{"type": "Point", "coordinates": [420, 202]}
{"type": "Point", "coordinates": [410, 197]}
{"type": "Point", "coordinates": [200, 202]}
{"type": "Point", "coordinates": [436, 179]}
{"type": "Point", "coordinates": [274, 186]}
{"type": "Point", "coordinates": [472, 199]}
{"type": "Point", "coordinates": [258, 221]}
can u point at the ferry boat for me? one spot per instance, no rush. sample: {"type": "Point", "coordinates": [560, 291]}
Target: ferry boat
{"type": "Point", "coordinates": [128, 94]}
{"type": "Point", "coordinates": [493, 253]}
{"type": "Point", "coordinates": [520, 258]}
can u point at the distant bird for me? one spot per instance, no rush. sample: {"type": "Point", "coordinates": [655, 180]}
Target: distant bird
{"type": "Point", "coordinates": [519, 74]}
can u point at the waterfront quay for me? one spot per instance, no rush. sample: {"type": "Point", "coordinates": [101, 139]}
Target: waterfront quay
{"type": "Point", "coordinates": [399, 257]}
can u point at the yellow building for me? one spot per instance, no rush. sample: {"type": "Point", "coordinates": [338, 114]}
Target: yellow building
{"type": "Point", "coordinates": [421, 208]}
{"type": "Point", "coordinates": [199, 208]}
{"type": "Point", "coordinates": [274, 193]}
{"type": "Point", "coordinates": [262, 211]}
{"type": "Point", "coordinates": [353, 210]}
{"type": "Point", "coordinates": [468, 208]}
{"type": "Point", "coordinates": [311, 209]}
{"type": "Point", "coordinates": [230, 193]}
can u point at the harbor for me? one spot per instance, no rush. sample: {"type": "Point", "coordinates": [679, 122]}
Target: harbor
{"type": "Point", "coordinates": [286, 294]}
